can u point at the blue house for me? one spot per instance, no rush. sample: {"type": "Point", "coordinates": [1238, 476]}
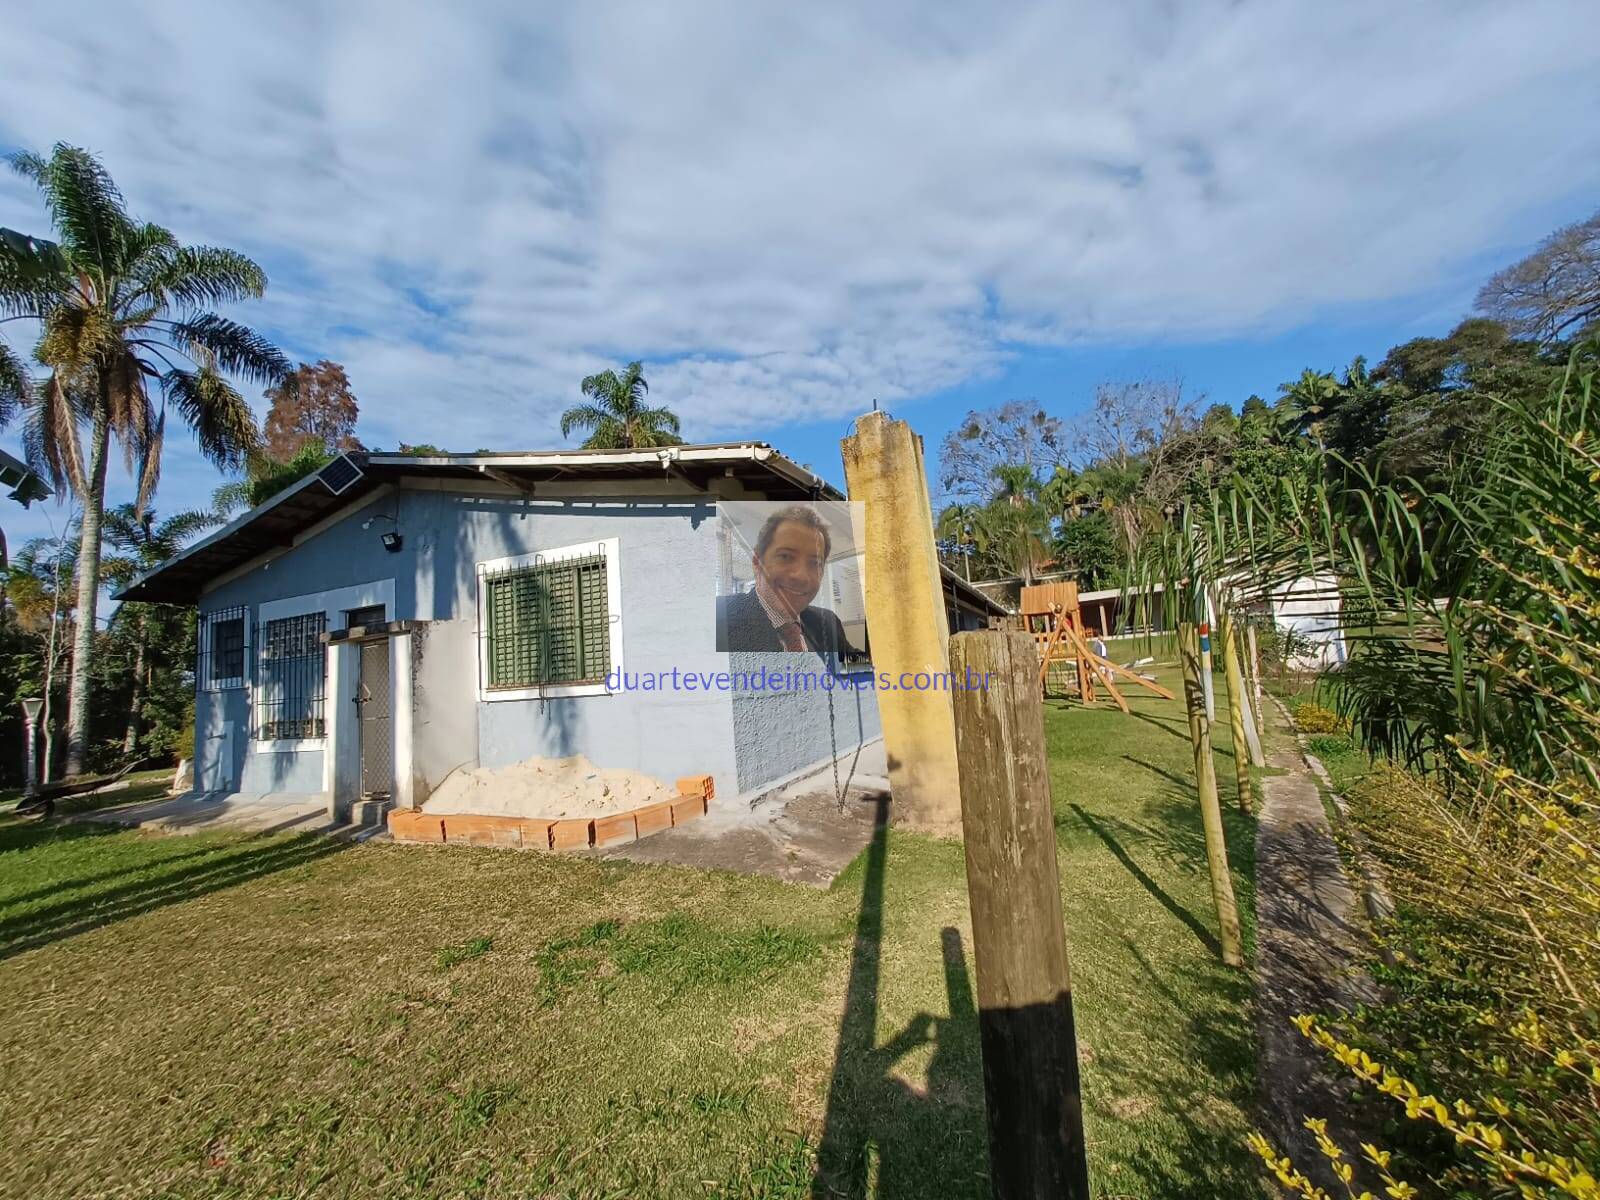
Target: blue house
{"type": "Point", "coordinates": [366, 632]}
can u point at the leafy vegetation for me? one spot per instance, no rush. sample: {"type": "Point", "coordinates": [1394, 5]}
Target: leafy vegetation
{"type": "Point", "coordinates": [1475, 617]}
{"type": "Point", "coordinates": [122, 311]}
{"type": "Point", "coordinates": [617, 416]}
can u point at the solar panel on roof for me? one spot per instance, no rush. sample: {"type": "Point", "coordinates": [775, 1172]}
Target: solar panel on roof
{"type": "Point", "coordinates": [340, 475]}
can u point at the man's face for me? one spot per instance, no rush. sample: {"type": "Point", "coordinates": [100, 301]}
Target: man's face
{"type": "Point", "coordinates": [792, 564]}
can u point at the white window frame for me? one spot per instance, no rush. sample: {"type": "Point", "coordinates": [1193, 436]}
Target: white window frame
{"type": "Point", "coordinates": [225, 683]}
{"type": "Point", "coordinates": [333, 604]}
{"type": "Point", "coordinates": [610, 547]}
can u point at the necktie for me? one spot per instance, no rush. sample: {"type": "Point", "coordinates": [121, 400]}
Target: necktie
{"type": "Point", "coordinates": [793, 640]}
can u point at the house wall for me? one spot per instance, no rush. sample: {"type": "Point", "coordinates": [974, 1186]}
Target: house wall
{"type": "Point", "coordinates": [668, 572]}
{"type": "Point", "coordinates": [778, 733]}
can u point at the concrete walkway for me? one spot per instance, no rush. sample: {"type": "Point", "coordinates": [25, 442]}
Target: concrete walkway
{"type": "Point", "coordinates": [1310, 947]}
{"type": "Point", "coordinates": [280, 812]}
{"type": "Point", "coordinates": [798, 833]}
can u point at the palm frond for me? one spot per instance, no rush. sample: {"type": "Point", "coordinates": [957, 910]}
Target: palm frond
{"type": "Point", "coordinates": [229, 497]}
{"type": "Point", "coordinates": [603, 387]}
{"type": "Point", "coordinates": [221, 419]}
{"type": "Point", "coordinates": [660, 418]}
{"type": "Point", "coordinates": [50, 436]}
{"type": "Point", "coordinates": [149, 461]}
{"type": "Point", "coordinates": [201, 276]}
{"type": "Point", "coordinates": [174, 532]}
{"type": "Point", "coordinates": [16, 385]}
{"type": "Point", "coordinates": [609, 434]}
{"type": "Point", "coordinates": [235, 348]}
{"type": "Point", "coordinates": [583, 416]}
{"type": "Point", "coordinates": [85, 207]}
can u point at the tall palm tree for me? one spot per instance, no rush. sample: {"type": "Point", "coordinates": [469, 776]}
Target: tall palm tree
{"type": "Point", "coordinates": [617, 416]}
{"type": "Point", "coordinates": [145, 544]}
{"type": "Point", "coordinates": [121, 310]}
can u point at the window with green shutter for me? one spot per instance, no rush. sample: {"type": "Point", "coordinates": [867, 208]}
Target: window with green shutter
{"type": "Point", "coordinates": [548, 623]}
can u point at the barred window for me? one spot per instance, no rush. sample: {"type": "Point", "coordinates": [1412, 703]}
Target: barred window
{"type": "Point", "coordinates": [223, 650]}
{"type": "Point", "coordinates": [547, 623]}
{"type": "Point", "coordinates": [292, 679]}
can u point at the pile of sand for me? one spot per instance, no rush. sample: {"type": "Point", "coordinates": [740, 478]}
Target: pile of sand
{"type": "Point", "coordinates": [546, 787]}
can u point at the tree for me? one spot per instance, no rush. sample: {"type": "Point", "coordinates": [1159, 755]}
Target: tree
{"type": "Point", "coordinates": [40, 587]}
{"type": "Point", "coordinates": [1440, 397]}
{"type": "Point", "coordinates": [145, 544]}
{"type": "Point", "coordinates": [617, 416]}
{"type": "Point", "coordinates": [1085, 546]}
{"type": "Point", "coordinates": [1306, 404]}
{"type": "Point", "coordinates": [1016, 433]}
{"type": "Point", "coordinates": [959, 524]}
{"type": "Point", "coordinates": [314, 406]}
{"type": "Point", "coordinates": [120, 306]}
{"type": "Point", "coordinates": [1555, 291]}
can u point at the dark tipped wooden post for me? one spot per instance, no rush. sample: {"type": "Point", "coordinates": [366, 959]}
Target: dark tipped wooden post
{"type": "Point", "coordinates": [1030, 1050]}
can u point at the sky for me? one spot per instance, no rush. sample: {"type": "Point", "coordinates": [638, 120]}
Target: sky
{"type": "Point", "coordinates": [788, 212]}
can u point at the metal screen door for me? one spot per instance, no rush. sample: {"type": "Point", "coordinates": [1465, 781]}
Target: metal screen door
{"type": "Point", "coordinates": [376, 719]}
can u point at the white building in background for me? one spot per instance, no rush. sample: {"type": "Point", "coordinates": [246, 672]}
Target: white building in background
{"type": "Point", "coordinates": [1309, 608]}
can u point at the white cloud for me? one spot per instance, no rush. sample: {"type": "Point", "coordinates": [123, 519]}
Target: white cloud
{"type": "Point", "coordinates": [794, 209]}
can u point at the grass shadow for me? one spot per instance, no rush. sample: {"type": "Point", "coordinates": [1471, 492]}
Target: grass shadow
{"type": "Point", "coordinates": [1162, 896]}
{"type": "Point", "coordinates": [24, 926]}
{"type": "Point", "coordinates": [881, 1136]}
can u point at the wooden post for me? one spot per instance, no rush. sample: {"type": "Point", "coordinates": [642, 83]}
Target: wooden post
{"type": "Point", "coordinates": [1030, 1051]}
{"type": "Point", "coordinates": [1205, 774]}
{"type": "Point", "coordinates": [1241, 722]}
{"type": "Point", "coordinates": [1255, 680]}
{"type": "Point", "coordinates": [905, 611]}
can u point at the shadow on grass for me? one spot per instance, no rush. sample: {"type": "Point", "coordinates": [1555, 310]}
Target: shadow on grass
{"type": "Point", "coordinates": [1162, 896]}
{"type": "Point", "coordinates": [148, 887]}
{"type": "Point", "coordinates": [1178, 729]}
{"type": "Point", "coordinates": [880, 1136]}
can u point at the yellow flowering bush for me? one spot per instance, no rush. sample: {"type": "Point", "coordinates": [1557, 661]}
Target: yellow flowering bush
{"type": "Point", "coordinates": [1313, 718]}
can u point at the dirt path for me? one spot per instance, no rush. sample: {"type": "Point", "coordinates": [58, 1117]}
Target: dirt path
{"type": "Point", "coordinates": [1310, 946]}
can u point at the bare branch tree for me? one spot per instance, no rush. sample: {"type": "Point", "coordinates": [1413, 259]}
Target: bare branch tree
{"type": "Point", "coordinates": [1555, 290]}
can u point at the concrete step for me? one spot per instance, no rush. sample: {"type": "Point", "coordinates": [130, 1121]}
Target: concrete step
{"type": "Point", "coordinates": [370, 813]}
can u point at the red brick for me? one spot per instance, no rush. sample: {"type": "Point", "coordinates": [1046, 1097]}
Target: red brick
{"type": "Point", "coordinates": [653, 818]}
{"type": "Point", "coordinates": [571, 834]}
{"type": "Point", "coordinates": [483, 831]}
{"type": "Point", "coordinates": [686, 808]}
{"type": "Point", "coordinates": [535, 834]}
{"type": "Point", "coordinates": [617, 828]}
{"type": "Point", "coordinates": [407, 825]}
{"type": "Point", "coordinates": [697, 785]}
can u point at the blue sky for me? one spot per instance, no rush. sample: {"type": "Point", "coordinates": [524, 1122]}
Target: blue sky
{"type": "Point", "coordinates": [788, 211]}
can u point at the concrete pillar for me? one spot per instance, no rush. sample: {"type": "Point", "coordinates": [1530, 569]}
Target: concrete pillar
{"type": "Point", "coordinates": [400, 677]}
{"type": "Point", "coordinates": [341, 753]}
{"type": "Point", "coordinates": [906, 619]}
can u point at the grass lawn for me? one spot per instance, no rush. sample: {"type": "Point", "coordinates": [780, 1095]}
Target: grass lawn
{"type": "Point", "coordinates": [229, 1016]}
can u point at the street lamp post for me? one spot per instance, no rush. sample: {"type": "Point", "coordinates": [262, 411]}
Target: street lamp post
{"type": "Point", "coordinates": [31, 708]}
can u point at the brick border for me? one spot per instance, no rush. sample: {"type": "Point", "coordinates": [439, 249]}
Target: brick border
{"type": "Point", "coordinates": [532, 833]}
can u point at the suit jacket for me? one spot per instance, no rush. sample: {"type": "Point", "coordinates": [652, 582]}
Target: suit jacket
{"type": "Point", "coordinates": [743, 626]}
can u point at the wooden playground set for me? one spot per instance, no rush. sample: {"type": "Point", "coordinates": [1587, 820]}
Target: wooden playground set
{"type": "Point", "coordinates": [1051, 614]}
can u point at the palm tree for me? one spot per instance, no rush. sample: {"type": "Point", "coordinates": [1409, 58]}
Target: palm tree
{"type": "Point", "coordinates": [617, 417]}
{"type": "Point", "coordinates": [121, 311]}
{"type": "Point", "coordinates": [146, 544]}
{"type": "Point", "coordinates": [1017, 484]}
{"type": "Point", "coordinates": [960, 523]}
{"type": "Point", "coordinates": [1307, 403]}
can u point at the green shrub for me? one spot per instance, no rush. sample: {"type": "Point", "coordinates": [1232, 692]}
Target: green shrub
{"type": "Point", "coordinates": [1330, 745]}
